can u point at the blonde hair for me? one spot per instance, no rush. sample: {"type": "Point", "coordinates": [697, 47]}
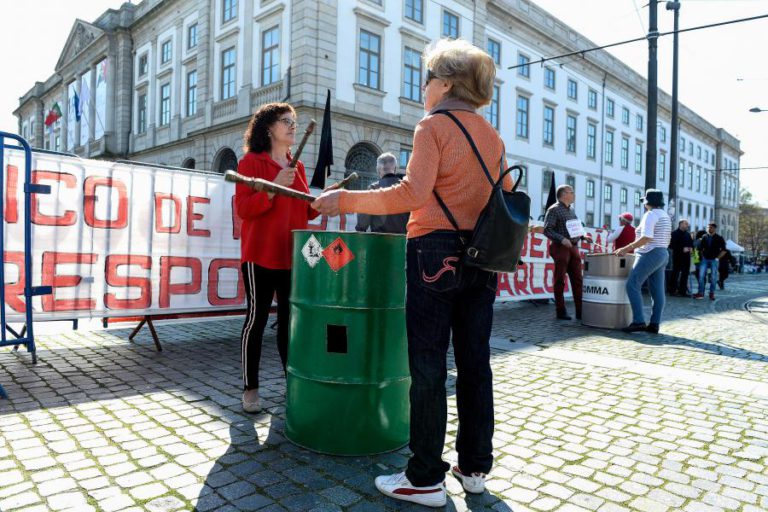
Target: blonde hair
{"type": "Point", "coordinates": [470, 70]}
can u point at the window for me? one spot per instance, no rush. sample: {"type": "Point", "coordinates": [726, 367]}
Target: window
{"type": "Point", "coordinates": [698, 152]}
{"type": "Point", "coordinates": [573, 89]}
{"type": "Point", "coordinates": [450, 25]}
{"type": "Point", "coordinates": [609, 108]}
{"type": "Point", "coordinates": [713, 158]}
{"type": "Point", "coordinates": [141, 114]}
{"type": "Point", "coordinates": [143, 65]}
{"type": "Point", "coordinates": [521, 129]}
{"type": "Point", "coordinates": [494, 50]}
{"type": "Point", "coordinates": [492, 111]}
{"type": "Point", "coordinates": [570, 133]}
{"type": "Point", "coordinates": [690, 148]}
{"type": "Point", "coordinates": [549, 126]}
{"type": "Point", "coordinates": [592, 99]}
{"type": "Point", "coordinates": [191, 36]}
{"type": "Point", "coordinates": [590, 188]}
{"type": "Point", "coordinates": [270, 56]}
{"type": "Point", "coordinates": [698, 178]}
{"type": "Point", "coordinates": [638, 157]}
{"type": "Point", "coordinates": [165, 104]}
{"type": "Point", "coordinates": [370, 52]}
{"type": "Point", "coordinates": [625, 115]}
{"type": "Point", "coordinates": [524, 69]}
{"type": "Point", "coordinates": [623, 195]}
{"type": "Point", "coordinates": [638, 198]}
{"type": "Point", "coordinates": [405, 156]}
{"type": "Point", "coordinates": [571, 181]}
{"type": "Point", "coordinates": [192, 93]}
{"type": "Point", "coordinates": [228, 73]}
{"type": "Point", "coordinates": [663, 134]}
{"type": "Point", "coordinates": [229, 10]}
{"type": "Point", "coordinates": [682, 145]}
{"type": "Point", "coordinates": [412, 74]}
{"type": "Point", "coordinates": [639, 122]}
{"type": "Point", "coordinates": [165, 52]}
{"type": "Point", "coordinates": [607, 220]}
{"type": "Point", "coordinates": [524, 177]}
{"type": "Point", "coordinates": [706, 156]}
{"type": "Point", "coordinates": [706, 181]}
{"type": "Point", "coordinates": [609, 147]}
{"type": "Point", "coordinates": [625, 153]}
{"type": "Point", "coordinates": [681, 174]}
{"type": "Point", "coordinates": [57, 143]}
{"type": "Point", "coordinates": [608, 192]}
{"type": "Point", "coordinates": [591, 140]}
{"type": "Point", "coordinates": [414, 9]}
{"type": "Point", "coordinates": [549, 78]}
{"type": "Point", "coordinates": [546, 180]}
{"type": "Point", "coordinates": [589, 219]}
{"type": "Point", "coordinates": [662, 163]}
{"type": "Point", "coordinates": [690, 175]}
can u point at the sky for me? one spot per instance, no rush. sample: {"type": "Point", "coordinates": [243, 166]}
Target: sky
{"type": "Point", "coordinates": [723, 71]}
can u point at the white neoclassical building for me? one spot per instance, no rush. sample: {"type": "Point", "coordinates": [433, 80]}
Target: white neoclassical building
{"type": "Point", "coordinates": [174, 82]}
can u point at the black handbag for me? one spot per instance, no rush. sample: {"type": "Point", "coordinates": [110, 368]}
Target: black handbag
{"type": "Point", "coordinates": [502, 227]}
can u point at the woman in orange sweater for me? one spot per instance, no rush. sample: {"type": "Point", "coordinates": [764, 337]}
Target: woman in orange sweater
{"type": "Point", "coordinates": [443, 297]}
{"type": "Point", "coordinates": [266, 240]}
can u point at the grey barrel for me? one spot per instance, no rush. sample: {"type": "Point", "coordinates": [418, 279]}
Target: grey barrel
{"type": "Point", "coordinates": [605, 301]}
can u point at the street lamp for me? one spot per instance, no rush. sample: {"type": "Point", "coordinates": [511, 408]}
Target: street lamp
{"type": "Point", "coordinates": [757, 109]}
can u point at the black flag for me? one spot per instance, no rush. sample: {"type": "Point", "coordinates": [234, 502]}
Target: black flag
{"type": "Point", "coordinates": [325, 154]}
{"type": "Point", "coordinates": [552, 197]}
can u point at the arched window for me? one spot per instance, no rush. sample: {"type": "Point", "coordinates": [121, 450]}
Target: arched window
{"type": "Point", "coordinates": [225, 160]}
{"type": "Point", "coordinates": [362, 160]}
{"type": "Point", "coordinates": [188, 163]}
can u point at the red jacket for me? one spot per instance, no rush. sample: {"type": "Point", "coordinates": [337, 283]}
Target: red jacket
{"type": "Point", "coordinates": [626, 237]}
{"type": "Point", "coordinates": [266, 237]}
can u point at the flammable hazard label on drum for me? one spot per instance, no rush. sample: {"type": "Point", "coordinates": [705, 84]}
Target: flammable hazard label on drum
{"type": "Point", "coordinates": [338, 255]}
{"type": "Point", "coordinates": [312, 251]}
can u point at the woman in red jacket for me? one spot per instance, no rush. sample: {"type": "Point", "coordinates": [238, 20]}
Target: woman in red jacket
{"type": "Point", "coordinates": [266, 240]}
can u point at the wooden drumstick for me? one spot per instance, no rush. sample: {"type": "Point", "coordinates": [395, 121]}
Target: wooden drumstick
{"type": "Point", "coordinates": [343, 183]}
{"type": "Point", "coordinates": [267, 186]}
{"type": "Point", "coordinates": [310, 129]}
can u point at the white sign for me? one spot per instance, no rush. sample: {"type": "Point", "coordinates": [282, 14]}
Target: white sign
{"type": "Point", "coordinates": [312, 251]}
{"type": "Point", "coordinates": [605, 290]}
{"type": "Point", "coordinates": [574, 227]}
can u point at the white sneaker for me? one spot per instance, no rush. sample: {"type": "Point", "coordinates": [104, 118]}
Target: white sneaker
{"type": "Point", "coordinates": [474, 484]}
{"type": "Point", "coordinates": [397, 486]}
{"type": "Point", "coordinates": [251, 401]}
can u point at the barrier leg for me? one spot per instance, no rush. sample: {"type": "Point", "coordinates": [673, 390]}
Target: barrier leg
{"type": "Point", "coordinates": [147, 320]}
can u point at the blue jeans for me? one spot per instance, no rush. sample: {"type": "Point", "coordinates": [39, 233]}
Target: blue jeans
{"type": "Point", "coordinates": [444, 298]}
{"type": "Point", "coordinates": [648, 266]}
{"type": "Point", "coordinates": [703, 266]}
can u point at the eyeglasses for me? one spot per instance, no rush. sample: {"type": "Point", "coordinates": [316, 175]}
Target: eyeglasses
{"type": "Point", "coordinates": [287, 121]}
{"type": "Point", "coordinates": [430, 76]}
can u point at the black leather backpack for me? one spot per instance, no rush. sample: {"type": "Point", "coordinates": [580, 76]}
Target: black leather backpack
{"type": "Point", "coordinates": [502, 227]}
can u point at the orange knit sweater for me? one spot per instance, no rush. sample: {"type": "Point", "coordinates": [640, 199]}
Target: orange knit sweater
{"type": "Point", "coordinates": [442, 160]}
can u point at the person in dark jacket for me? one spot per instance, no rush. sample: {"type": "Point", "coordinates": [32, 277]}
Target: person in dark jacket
{"type": "Point", "coordinates": [724, 268]}
{"type": "Point", "coordinates": [712, 248]}
{"type": "Point", "coordinates": [682, 246]}
{"type": "Point", "coordinates": [386, 165]}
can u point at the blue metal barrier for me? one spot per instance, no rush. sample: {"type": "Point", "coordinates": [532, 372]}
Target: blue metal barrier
{"type": "Point", "coordinates": [26, 336]}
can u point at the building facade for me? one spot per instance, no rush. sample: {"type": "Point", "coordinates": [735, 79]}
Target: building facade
{"type": "Point", "coordinates": [174, 82]}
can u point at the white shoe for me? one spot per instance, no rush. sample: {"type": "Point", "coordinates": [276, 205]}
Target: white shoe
{"type": "Point", "coordinates": [397, 486]}
{"type": "Point", "coordinates": [474, 484]}
{"type": "Point", "coordinates": [251, 401]}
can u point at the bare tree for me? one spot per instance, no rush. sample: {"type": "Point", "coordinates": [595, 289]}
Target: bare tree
{"type": "Point", "coordinates": [753, 225]}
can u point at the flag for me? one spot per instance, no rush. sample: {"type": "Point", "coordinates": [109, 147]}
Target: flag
{"type": "Point", "coordinates": [325, 154]}
{"type": "Point", "coordinates": [552, 197]}
{"type": "Point", "coordinates": [102, 74]}
{"type": "Point", "coordinates": [77, 106]}
{"type": "Point", "coordinates": [85, 97]}
{"type": "Point", "coordinates": [53, 115]}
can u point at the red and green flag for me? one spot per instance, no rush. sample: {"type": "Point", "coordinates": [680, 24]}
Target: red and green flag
{"type": "Point", "coordinates": [53, 115]}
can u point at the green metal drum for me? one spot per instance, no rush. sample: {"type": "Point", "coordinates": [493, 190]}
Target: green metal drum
{"type": "Point", "coordinates": [347, 372]}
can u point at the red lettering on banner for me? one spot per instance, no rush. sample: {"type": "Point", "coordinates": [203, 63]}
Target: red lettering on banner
{"type": "Point", "coordinates": [237, 222]}
{"type": "Point", "coordinates": [521, 279]}
{"type": "Point", "coordinates": [175, 227]}
{"type": "Point", "coordinates": [503, 284]}
{"type": "Point", "coordinates": [526, 245]}
{"type": "Point", "coordinates": [167, 263]}
{"type": "Point", "coordinates": [51, 278]}
{"type": "Point", "coordinates": [192, 216]}
{"type": "Point", "coordinates": [213, 283]}
{"type": "Point", "coordinates": [41, 219]}
{"type": "Point", "coordinates": [15, 290]}
{"type": "Point", "coordinates": [91, 183]}
{"type": "Point", "coordinates": [536, 242]}
{"type": "Point", "coordinates": [11, 212]}
{"type": "Point", "coordinates": [144, 300]}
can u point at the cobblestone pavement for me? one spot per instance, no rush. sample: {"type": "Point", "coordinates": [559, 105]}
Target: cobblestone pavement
{"type": "Point", "coordinates": [586, 419]}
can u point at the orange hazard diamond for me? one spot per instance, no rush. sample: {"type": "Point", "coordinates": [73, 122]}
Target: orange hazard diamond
{"type": "Point", "coordinates": [337, 254]}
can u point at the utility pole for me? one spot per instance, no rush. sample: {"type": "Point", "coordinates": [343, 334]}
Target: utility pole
{"type": "Point", "coordinates": [653, 96]}
{"type": "Point", "coordinates": [674, 153]}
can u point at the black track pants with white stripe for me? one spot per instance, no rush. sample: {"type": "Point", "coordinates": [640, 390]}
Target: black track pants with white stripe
{"type": "Point", "coordinates": [261, 285]}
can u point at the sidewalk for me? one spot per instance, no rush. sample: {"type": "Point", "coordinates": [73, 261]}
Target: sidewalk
{"type": "Point", "coordinates": [586, 419]}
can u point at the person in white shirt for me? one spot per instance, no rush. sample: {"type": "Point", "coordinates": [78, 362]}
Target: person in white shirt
{"type": "Point", "coordinates": [651, 256]}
